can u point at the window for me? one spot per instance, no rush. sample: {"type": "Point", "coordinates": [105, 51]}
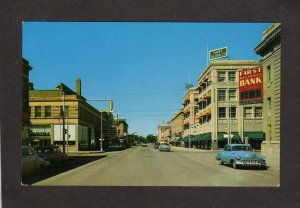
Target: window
{"type": "Point", "coordinates": [232, 95]}
{"type": "Point", "coordinates": [221, 76]}
{"type": "Point", "coordinates": [232, 112]}
{"type": "Point", "coordinates": [221, 95]}
{"type": "Point", "coordinates": [222, 112]}
{"type": "Point", "coordinates": [47, 111]}
{"type": "Point", "coordinates": [38, 112]}
{"type": "Point", "coordinates": [231, 76]}
{"type": "Point", "coordinates": [208, 101]}
{"type": "Point", "coordinates": [269, 73]}
{"type": "Point", "coordinates": [248, 112]}
{"type": "Point", "coordinates": [258, 112]}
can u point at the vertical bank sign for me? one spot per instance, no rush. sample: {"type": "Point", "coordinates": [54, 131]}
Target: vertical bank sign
{"type": "Point", "coordinates": [251, 85]}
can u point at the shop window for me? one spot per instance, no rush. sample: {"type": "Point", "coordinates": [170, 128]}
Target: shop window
{"type": "Point", "coordinates": [232, 112]}
{"type": "Point", "coordinates": [221, 95]}
{"type": "Point", "coordinates": [231, 76]}
{"type": "Point", "coordinates": [248, 112]}
{"type": "Point", "coordinates": [47, 111]}
{"type": "Point", "coordinates": [258, 112]}
{"type": "Point", "coordinates": [38, 111]}
{"type": "Point", "coordinates": [221, 76]}
{"type": "Point", "coordinates": [232, 95]}
{"type": "Point", "coordinates": [222, 112]}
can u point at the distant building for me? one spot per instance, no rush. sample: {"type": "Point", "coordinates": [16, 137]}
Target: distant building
{"type": "Point", "coordinates": [25, 101]}
{"type": "Point", "coordinates": [122, 131]}
{"type": "Point", "coordinates": [164, 133]}
{"type": "Point", "coordinates": [270, 51]}
{"type": "Point", "coordinates": [82, 121]}
{"type": "Point", "coordinates": [177, 127]}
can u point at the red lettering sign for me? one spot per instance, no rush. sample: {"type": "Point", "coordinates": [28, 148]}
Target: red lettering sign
{"type": "Point", "coordinates": [251, 85]}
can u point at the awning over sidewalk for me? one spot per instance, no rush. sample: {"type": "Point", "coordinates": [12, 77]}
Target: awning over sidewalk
{"type": "Point", "coordinates": [206, 137]}
{"type": "Point", "coordinates": [258, 135]}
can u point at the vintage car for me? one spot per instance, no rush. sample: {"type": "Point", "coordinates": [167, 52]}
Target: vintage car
{"type": "Point", "coordinates": [52, 155]}
{"type": "Point", "coordinates": [238, 155]}
{"type": "Point", "coordinates": [31, 163]}
{"type": "Point", "coordinates": [164, 147]}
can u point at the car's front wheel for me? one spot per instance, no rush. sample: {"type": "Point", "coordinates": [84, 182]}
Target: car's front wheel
{"type": "Point", "coordinates": [221, 162]}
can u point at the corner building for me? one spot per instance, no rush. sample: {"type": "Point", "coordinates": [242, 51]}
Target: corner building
{"type": "Point", "coordinates": [219, 108]}
{"type": "Point", "coordinates": [270, 51]}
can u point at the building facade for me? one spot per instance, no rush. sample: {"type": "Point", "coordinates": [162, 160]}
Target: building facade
{"type": "Point", "coordinates": [164, 133]}
{"type": "Point", "coordinates": [177, 126]}
{"type": "Point", "coordinates": [122, 131]}
{"type": "Point", "coordinates": [220, 115]}
{"type": "Point", "coordinates": [270, 51]}
{"type": "Point", "coordinates": [25, 101]}
{"type": "Point", "coordinates": [82, 122]}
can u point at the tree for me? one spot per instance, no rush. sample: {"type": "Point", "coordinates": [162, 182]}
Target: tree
{"type": "Point", "coordinates": [151, 138]}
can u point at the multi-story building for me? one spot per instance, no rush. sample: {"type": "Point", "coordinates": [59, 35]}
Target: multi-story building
{"type": "Point", "coordinates": [270, 51]}
{"type": "Point", "coordinates": [177, 126]}
{"type": "Point", "coordinates": [164, 133]}
{"type": "Point", "coordinates": [122, 131]}
{"type": "Point", "coordinates": [82, 122]}
{"type": "Point", "coordinates": [219, 113]}
{"type": "Point", "coordinates": [25, 101]}
{"type": "Point", "coordinates": [190, 109]}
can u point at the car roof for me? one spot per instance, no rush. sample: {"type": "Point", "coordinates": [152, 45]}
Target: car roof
{"type": "Point", "coordinates": [232, 145]}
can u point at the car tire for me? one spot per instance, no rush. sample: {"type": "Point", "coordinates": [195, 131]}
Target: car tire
{"type": "Point", "coordinates": [221, 162]}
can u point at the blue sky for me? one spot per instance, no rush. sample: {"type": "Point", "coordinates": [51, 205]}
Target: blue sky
{"type": "Point", "coordinates": [143, 67]}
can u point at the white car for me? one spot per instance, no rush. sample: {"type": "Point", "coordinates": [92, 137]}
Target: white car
{"type": "Point", "coordinates": [164, 147]}
{"type": "Point", "coordinates": [30, 161]}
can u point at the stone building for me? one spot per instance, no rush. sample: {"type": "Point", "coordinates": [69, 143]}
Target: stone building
{"type": "Point", "coordinates": [177, 126]}
{"type": "Point", "coordinates": [25, 102]}
{"type": "Point", "coordinates": [270, 51]}
{"type": "Point", "coordinates": [81, 120]}
{"type": "Point", "coordinates": [122, 131]}
{"type": "Point", "coordinates": [219, 112]}
{"type": "Point", "coordinates": [164, 133]}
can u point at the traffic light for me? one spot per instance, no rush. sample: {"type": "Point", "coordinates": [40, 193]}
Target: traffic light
{"type": "Point", "coordinates": [111, 106]}
{"type": "Point", "coordinates": [226, 130]}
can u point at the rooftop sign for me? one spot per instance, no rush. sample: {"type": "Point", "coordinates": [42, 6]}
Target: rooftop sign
{"type": "Point", "coordinates": [218, 53]}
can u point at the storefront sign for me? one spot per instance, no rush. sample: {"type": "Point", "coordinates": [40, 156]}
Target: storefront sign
{"type": "Point", "coordinates": [31, 133]}
{"type": "Point", "coordinates": [218, 53]}
{"type": "Point", "coordinates": [251, 85]}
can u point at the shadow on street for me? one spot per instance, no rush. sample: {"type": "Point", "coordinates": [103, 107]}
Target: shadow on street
{"type": "Point", "coordinates": [47, 172]}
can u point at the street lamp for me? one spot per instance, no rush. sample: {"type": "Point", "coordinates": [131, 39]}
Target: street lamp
{"type": "Point", "coordinates": [63, 115]}
{"type": "Point", "coordinates": [111, 108]}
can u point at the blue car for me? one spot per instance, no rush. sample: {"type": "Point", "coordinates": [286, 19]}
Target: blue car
{"type": "Point", "coordinates": [238, 155]}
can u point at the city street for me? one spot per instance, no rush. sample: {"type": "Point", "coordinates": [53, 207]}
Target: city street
{"type": "Point", "coordinates": [146, 166]}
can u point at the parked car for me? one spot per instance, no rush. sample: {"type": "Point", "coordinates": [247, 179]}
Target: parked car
{"type": "Point", "coordinates": [144, 145]}
{"type": "Point", "coordinates": [30, 161]}
{"type": "Point", "coordinates": [116, 147]}
{"type": "Point", "coordinates": [156, 145]}
{"type": "Point", "coordinates": [52, 155]}
{"type": "Point", "coordinates": [164, 147]}
{"type": "Point", "coordinates": [238, 155]}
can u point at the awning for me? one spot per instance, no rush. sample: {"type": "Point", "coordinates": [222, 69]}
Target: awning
{"type": "Point", "coordinates": [206, 137]}
{"type": "Point", "coordinates": [255, 135]}
{"type": "Point", "coordinates": [196, 138]}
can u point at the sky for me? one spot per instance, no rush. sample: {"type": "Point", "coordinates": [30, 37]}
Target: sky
{"type": "Point", "coordinates": [142, 66]}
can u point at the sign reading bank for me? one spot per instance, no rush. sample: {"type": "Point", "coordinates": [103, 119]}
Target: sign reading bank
{"type": "Point", "coordinates": [251, 85]}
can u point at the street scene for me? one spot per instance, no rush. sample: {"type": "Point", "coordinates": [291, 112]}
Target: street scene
{"type": "Point", "coordinates": [151, 104]}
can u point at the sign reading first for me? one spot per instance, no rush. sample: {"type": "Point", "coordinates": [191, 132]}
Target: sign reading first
{"type": "Point", "coordinates": [218, 53]}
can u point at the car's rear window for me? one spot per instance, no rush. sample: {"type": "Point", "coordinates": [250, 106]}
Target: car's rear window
{"type": "Point", "coordinates": [43, 150]}
{"type": "Point", "coordinates": [241, 148]}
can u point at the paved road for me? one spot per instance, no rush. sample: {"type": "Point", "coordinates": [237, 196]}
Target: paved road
{"type": "Point", "coordinates": [146, 166]}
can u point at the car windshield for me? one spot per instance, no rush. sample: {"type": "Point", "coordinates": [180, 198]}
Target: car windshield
{"type": "Point", "coordinates": [241, 148]}
{"type": "Point", "coordinates": [165, 145]}
{"type": "Point", "coordinates": [43, 150]}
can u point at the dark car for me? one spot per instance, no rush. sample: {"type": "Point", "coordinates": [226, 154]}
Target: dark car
{"type": "Point", "coordinates": [52, 155]}
{"type": "Point", "coordinates": [31, 163]}
{"type": "Point", "coordinates": [156, 145]}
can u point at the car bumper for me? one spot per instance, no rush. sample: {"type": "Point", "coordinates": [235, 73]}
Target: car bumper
{"type": "Point", "coordinates": [251, 163]}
